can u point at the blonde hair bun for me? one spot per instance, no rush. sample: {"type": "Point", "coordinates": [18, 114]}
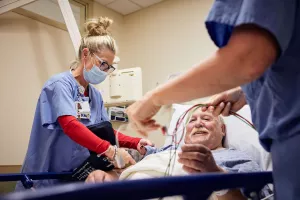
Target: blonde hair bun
{"type": "Point", "coordinates": [98, 27]}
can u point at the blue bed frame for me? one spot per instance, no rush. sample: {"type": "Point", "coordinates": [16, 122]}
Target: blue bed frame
{"type": "Point", "coordinates": [190, 187]}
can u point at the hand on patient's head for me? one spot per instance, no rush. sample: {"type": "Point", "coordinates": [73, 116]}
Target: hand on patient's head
{"type": "Point", "coordinates": [197, 158]}
{"type": "Point", "coordinates": [230, 100]}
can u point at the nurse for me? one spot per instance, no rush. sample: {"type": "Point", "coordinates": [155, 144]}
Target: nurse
{"type": "Point", "coordinates": [259, 48]}
{"type": "Point", "coordinates": [60, 140]}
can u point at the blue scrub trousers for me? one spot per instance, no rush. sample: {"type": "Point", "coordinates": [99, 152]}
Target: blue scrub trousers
{"type": "Point", "coordinates": [286, 168]}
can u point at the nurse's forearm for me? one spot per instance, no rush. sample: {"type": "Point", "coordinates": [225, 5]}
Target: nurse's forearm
{"type": "Point", "coordinates": [127, 141]}
{"type": "Point", "coordinates": [248, 54]}
{"type": "Point", "coordinates": [82, 135]}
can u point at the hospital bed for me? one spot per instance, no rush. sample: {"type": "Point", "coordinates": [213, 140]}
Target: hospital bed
{"type": "Point", "coordinates": [190, 187]}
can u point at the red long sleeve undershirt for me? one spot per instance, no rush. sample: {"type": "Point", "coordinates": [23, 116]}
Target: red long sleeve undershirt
{"type": "Point", "coordinates": [83, 136]}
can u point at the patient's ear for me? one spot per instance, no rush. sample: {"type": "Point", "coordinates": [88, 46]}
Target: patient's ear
{"type": "Point", "coordinates": [224, 131]}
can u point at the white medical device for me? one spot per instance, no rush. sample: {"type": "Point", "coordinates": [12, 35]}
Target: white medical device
{"type": "Point", "coordinates": [117, 113]}
{"type": "Point", "coordinates": [122, 87]}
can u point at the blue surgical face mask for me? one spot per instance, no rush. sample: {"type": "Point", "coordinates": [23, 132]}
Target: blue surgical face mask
{"type": "Point", "coordinates": [94, 75]}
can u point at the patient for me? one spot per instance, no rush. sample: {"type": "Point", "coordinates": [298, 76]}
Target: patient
{"type": "Point", "coordinates": [202, 152]}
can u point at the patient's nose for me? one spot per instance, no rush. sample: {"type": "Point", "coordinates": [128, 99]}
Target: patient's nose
{"type": "Point", "coordinates": [199, 123]}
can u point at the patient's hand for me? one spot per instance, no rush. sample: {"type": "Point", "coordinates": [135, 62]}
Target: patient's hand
{"type": "Point", "coordinates": [141, 146]}
{"type": "Point", "coordinates": [99, 176]}
{"type": "Point", "coordinates": [197, 158]}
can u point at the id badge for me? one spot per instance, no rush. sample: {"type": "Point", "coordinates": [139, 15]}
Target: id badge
{"type": "Point", "coordinates": [83, 109]}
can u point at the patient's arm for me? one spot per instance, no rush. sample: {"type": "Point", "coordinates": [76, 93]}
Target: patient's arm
{"type": "Point", "coordinates": [99, 176]}
{"type": "Point", "coordinates": [232, 195]}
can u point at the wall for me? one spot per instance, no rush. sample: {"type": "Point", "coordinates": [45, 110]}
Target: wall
{"type": "Point", "coordinates": [51, 10]}
{"type": "Point", "coordinates": [30, 52]}
{"type": "Point", "coordinates": [117, 27]}
{"type": "Point", "coordinates": [166, 38]}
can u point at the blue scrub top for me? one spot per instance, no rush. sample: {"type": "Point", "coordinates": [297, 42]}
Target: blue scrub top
{"type": "Point", "coordinates": [274, 98]}
{"type": "Point", "coordinates": [50, 149]}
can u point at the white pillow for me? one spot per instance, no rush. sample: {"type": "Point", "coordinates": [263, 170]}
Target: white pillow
{"type": "Point", "coordinates": [239, 135]}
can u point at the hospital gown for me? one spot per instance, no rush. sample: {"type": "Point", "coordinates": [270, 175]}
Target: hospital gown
{"type": "Point", "coordinates": [229, 159]}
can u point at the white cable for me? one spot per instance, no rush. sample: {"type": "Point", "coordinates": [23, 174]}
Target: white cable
{"type": "Point", "coordinates": [119, 160]}
{"type": "Point", "coordinates": [267, 197]}
{"type": "Point", "coordinates": [182, 123]}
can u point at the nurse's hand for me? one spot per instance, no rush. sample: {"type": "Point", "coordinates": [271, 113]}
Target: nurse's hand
{"type": "Point", "coordinates": [141, 146]}
{"type": "Point", "coordinates": [230, 100]}
{"type": "Point", "coordinates": [140, 115]}
{"type": "Point", "coordinates": [128, 160]}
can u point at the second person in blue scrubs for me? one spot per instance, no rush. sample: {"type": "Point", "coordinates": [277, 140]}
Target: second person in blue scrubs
{"type": "Point", "coordinates": [259, 50]}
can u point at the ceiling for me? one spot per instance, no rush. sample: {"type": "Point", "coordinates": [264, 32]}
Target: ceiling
{"type": "Point", "coordinates": [126, 7]}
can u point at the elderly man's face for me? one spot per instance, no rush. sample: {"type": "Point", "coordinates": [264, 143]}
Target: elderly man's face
{"type": "Point", "coordinates": [204, 128]}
